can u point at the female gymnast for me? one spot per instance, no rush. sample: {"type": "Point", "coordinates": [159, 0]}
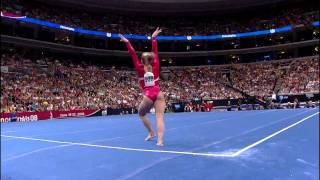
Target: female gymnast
{"type": "Point", "coordinates": [148, 70]}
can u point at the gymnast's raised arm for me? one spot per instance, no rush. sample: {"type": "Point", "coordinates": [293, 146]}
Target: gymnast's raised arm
{"type": "Point", "coordinates": [155, 46]}
{"type": "Point", "coordinates": [132, 52]}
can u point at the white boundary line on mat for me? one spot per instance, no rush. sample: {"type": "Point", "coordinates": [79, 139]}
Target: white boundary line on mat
{"type": "Point", "coordinates": [169, 152]}
{"type": "Point", "coordinates": [272, 135]}
{"type": "Point", "coordinates": [120, 148]}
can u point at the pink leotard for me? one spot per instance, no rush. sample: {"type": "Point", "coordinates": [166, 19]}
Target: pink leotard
{"type": "Point", "coordinates": [148, 82]}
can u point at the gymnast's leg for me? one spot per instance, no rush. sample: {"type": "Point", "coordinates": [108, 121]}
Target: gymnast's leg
{"type": "Point", "coordinates": [160, 106]}
{"type": "Point", "coordinates": [144, 108]}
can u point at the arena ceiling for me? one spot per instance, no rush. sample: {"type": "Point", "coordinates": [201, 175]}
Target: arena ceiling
{"type": "Point", "coordinates": [169, 6]}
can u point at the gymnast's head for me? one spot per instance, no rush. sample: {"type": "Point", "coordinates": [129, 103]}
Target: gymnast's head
{"type": "Point", "coordinates": [147, 58]}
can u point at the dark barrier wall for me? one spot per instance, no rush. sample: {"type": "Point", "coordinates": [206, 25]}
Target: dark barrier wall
{"type": "Point", "coordinates": [111, 111]}
{"type": "Point", "coordinates": [227, 104]}
{"type": "Point", "coordinates": [299, 97]}
{"type": "Point", "coordinates": [249, 103]}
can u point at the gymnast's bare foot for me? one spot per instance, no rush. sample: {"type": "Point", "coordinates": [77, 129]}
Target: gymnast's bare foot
{"type": "Point", "coordinates": [160, 143]}
{"type": "Point", "coordinates": [150, 136]}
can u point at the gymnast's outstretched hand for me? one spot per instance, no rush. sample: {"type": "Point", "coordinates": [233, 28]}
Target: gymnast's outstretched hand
{"type": "Point", "coordinates": [156, 32]}
{"type": "Point", "coordinates": [122, 38]}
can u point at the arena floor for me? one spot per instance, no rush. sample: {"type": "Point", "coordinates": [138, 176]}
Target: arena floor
{"type": "Point", "coordinates": [269, 144]}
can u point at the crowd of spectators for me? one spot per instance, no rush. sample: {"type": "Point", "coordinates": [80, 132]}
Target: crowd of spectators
{"type": "Point", "coordinates": [197, 83]}
{"type": "Point", "coordinates": [40, 84]}
{"type": "Point", "coordinates": [143, 25]}
{"type": "Point", "coordinates": [48, 84]}
{"type": "Point", "coordinates": [256, 79]}
{"type": "Point", "coordinates": [260, 79]}
{"type": "Point", "coordinates": [301, 77]}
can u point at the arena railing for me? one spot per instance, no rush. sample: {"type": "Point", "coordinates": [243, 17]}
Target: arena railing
{"type": "Point", "coordinates": [241, 63]}
{"type": "Point", "coordinates": [142, 37]}
{"type": "Point", "coordinates": [24, 42]}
